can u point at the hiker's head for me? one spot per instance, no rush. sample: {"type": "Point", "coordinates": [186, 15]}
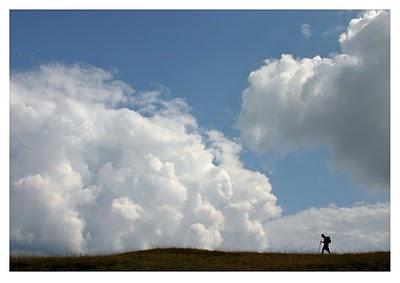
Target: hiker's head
{"type": "Point", "coordinates": [322, 235]}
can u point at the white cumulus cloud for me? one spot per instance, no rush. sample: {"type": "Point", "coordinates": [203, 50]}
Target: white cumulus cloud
{"type": "Point", "coordinates": [358, 228]}
{"type": "Point", "coordinates": [97, 167]}
{"type": "Point", "coordinates": [341, 101]}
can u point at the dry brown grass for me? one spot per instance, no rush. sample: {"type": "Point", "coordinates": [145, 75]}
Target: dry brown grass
{"type": "Point", "coordinates": [174, 259]}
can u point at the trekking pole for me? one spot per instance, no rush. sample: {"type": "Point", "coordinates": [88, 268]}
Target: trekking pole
{"type": "Point", "coordinates": [319, 247]}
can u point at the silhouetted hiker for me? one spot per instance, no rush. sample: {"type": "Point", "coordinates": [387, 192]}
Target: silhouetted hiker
{"type": "Point", "coordinates": [326, 241]}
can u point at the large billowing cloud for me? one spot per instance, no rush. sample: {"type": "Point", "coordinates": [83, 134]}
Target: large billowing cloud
{"type": "Point", "coordinates": [341, 101]}
{"type": "Point", "coordinates": [352, 229]}
{"type": "Point", "coordinates": [96, 167]}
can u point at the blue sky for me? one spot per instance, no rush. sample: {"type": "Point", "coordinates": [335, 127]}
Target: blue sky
{"type": "Point", "coordinates": [205, 57]}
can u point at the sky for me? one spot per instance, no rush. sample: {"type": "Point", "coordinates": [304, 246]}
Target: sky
{"type": "Point", "coordinates": [256, 120]}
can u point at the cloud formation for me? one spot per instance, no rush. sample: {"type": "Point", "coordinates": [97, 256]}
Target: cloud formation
{"type": "Point", "coordinates": [341, 101]}
{"type": "Point", "coordinates": [97, 167]}
{"type": "Point", "coordinates": [334, 30]}
{"type": "Point", "coordinates": [305, 30]}
{"type": "Point", "coordinates": [358, 228]}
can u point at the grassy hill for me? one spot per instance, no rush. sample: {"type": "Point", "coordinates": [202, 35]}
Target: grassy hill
{"type": "Point", "coordinates": [174, 259]}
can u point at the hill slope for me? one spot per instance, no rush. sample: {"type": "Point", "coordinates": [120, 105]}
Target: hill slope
{"type": "Point", "coordinates": [201, 260]}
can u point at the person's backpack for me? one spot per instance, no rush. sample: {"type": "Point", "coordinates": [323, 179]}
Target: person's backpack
{"type": "Point", "coordinates": [328, 240]}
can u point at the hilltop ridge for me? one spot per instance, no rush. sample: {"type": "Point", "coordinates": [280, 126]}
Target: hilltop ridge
{"type": "Point", "coordinates": [180, 259]}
